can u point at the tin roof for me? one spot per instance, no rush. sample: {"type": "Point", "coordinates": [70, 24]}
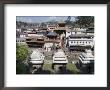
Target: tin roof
{"type": "Point", "coordinates": [52, 34]}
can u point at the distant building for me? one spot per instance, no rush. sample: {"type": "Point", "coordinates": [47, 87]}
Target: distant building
{"type": "Point", "coordinates": [19, 30]}
{"type": "Point", "coordinates": [28, 30]}
{"type": "Point", "coordinates": [52, 35]}
{"type": "Point", "coordinates": [90, 31]}
{"type": "Point", "coordinates": [75, 31]}
{"type": "Point", "coordinates": [48, 46]}
{"type": "Point", "coordinates": [23, 35]}
{"type": "Point", "coordinates": [17, 34]}
{"type": "Point", "coordinates": [39, 39]}
{"type": "Point", "coordinates": [51, 27]}
{"type": "Point", "coordinates": [21, 40]}
{"type": "Point", "coordinates": [34, 41]}
{"type": "Point", "coordinates": [80, 41]}
{"type": "Point", "coordinates": [61, 26]}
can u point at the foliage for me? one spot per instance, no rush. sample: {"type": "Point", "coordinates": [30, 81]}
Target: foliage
{"type": "Point", "coordinates": [21, 52]}
{"type": "Point", "coordinates": [85, 21]}
{"type": "Point", "coordinates": [21, 55]}
{"type": "Point", "coordinates": [72, 68]}
{"type": "Point", "coordinates": [68, 20]}
{"type": "Point", "coordinates": [48, 67]}
{"type": "Point", "coordinates": [21, 68]}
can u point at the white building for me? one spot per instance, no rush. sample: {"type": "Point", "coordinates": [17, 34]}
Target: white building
{"type": "Point", "coordinates": [51, 27]}
{"type": "Point", "coordinates": [36, 58]}
{"type": "Point", "coordinates": [32, 34]}
{"type": "Point", "coordinates": [75, 31]}
{"type": "Point", "coordinates": [21, 41]}
{"type": "Point", "coordinates": [35, 34]}
{"type": "Point", "coordinates": [19, 30]}
{"type": "Point", "coordinates": [60, 58]}
{"type": "Point", "coordinates": [23, 35]}
{"type": "Point", "coordinates": [40, 34]}
{"type": "Point", "coordinates": [86, 57]}
{"type": "Point", "coordinates": [80, 40]}
{"type": "Point", "coordinates": [28, 30]}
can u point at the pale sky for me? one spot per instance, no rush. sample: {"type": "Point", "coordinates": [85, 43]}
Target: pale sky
{"type": "Point", "coordinates": [39, 19]}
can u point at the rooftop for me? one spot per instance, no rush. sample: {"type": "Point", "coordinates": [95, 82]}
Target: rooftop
{"type": "Point", "coordinates": [52, 34]}
{"type": "Point", "coordinates": [80, 35]}
{"type": "Point", "coordinates": [36, 55]}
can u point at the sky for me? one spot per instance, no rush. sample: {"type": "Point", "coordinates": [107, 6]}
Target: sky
{"type": "Point", "coordinates": [39, 19]}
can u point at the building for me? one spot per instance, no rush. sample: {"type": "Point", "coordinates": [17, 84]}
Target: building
{"type": "Point", "coordinates": [35, 39]}
{"type": "Point", "coordinates": [90, 31]}
{"type": "Point", "coordinates": [52, 35]}
{"type": "Point", "coordinates": [21, 41]}
{"type": "Point", "coordinates": [61, 28]}
{"type": "Point", "coordinates": [17, 34]}
{"type": "Point", "coordinates": [36, 58]}
{"type": "Point", "coordinates": [86, 57]}
{"type": "Point", "coordinates": [28, 30]}
{"type": "Point", "coordinates": [36, 61]}
{"type": "Point", "coordinates": [80, 41]}
{"type": "Point", "coordinates": [19, 30]}
{"type": "Point", "coordinates": [51, 27]}
{"type": "Point", "coordinates": [75, 31]}
{"type": "Point", "coordinates": [23, 35]}
{"type": "Point", "coordinates": [48, 46]}
{"type": "Point", "coordinates": [86, 60]}
{"type": "Point", "coordinates": [59, 58]}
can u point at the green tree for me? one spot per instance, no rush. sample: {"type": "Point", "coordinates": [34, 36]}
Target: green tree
{"type": "Point", "coordinates": [85, 21]}
{"type": "Point", "coordinates": [21, 52]}
{"type": "Point", "coordinates": [21, 55]}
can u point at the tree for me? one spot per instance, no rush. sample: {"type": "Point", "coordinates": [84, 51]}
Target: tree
{"type": "Point", "coordinates": [21, 55]}
{"type": "Point", "coordinates": [68, 20]}
{"type": "Point", "coordinates": [85, 21]}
